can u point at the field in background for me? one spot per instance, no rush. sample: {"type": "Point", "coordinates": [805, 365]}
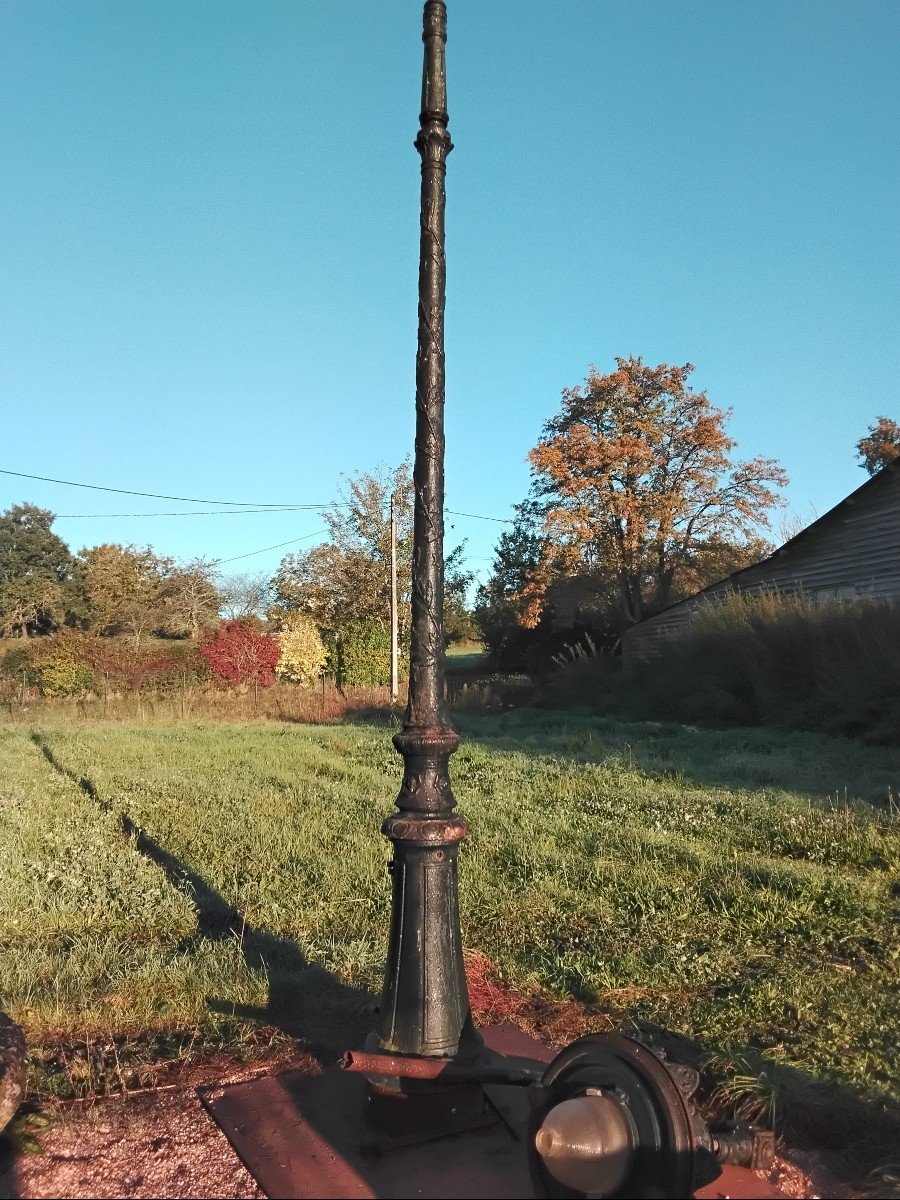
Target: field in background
{"type": "Point", "coordinates": [471, 687]}
{"type": "Point", "coordinates": [325, 702]}
{"type": "Point", "coordinates": [184, 698]}
{"type": "Point", "coordinates": [466, 656]}
{"type": "Point", "coordinates": [165, 886]}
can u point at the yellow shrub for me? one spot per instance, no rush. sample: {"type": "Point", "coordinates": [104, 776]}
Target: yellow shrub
{"type": "Point", "coordinates": [303, 653]}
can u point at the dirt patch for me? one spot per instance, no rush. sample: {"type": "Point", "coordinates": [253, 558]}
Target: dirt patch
{"type": "Point", "coordinates": [162, 1145]}
{"type": "Point", "coordinates": [556, 1022]}
{"type": "Point", "coordinates": [804, 1174]}
{"type": "Point", "coordinates": [152, 1143]}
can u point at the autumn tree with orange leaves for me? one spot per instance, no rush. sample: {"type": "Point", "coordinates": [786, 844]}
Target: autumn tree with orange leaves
{"type": "Point", "coordinates": [882, 446]}
{"type": "Point", "coordinates": [635, 481]}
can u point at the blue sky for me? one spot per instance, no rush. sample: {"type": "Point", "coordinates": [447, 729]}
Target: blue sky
{"type": "Point", "coordinates": [209, 224]}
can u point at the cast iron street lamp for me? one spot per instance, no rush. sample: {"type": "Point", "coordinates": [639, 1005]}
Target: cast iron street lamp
{"type": "Point", "coordinates": [425, 1005]}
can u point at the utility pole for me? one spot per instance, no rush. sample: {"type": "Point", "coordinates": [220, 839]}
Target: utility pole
{"type": "Point", "coordinates": [395, 682]}
{"type": "Point", "coordinates": [425, 1005]}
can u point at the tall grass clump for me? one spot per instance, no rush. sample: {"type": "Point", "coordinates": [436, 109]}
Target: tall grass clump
{"type": "Point", "coordinates": [583, 674]}
{"type": "Point", "coordinates": [772, 659]}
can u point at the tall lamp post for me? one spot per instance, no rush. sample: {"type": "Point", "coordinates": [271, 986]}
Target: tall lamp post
{"type": "Point", "coordinates": [425, 1005]}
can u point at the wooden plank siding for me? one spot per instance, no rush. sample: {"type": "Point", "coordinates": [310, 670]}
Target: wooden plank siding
{"type": "Point", "coordinates": [853, 550]}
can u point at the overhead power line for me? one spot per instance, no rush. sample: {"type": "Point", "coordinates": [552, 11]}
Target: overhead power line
{"type": "Point", "coordinates": [218, 562]}
{"type": "Point", "coordinates": [480, 517]}
{"type": "Point", "coordinates": [95, 487]}
{"type": "Point", "coordinates": [217, 512]}
{"type": "Point", "coordinates": [238, 512]}
{"type": "Point", "coordinates": [245, 505]}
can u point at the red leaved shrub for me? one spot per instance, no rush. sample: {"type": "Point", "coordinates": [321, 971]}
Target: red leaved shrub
{"type": "Point", "coordinates": [128, 667]}
{"type": "Point", "coordinates": [236, 652]}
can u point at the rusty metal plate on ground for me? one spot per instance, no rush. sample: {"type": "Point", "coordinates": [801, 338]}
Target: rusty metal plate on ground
{"type": "Point", "coordinates": [306, 1137]}
{"type": "Point", "coordinates": [737, 1183]}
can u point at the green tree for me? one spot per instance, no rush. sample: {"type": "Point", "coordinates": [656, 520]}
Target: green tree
{"type": "Point", "coordinates": [501, 602]}
{"type": "Point", "coordinates": [516, 555]}
{"type": "Point", "coordinates": [37, 572]}
{"type": "Point", "coordinates": [189, 598]}
{"type": "Point", "coordinates": [126, 589]}
{"type": "Point", "coordinates": [459, 621]}
{"type": "Point", "coordinates": [347, 579]}
{"type": "Point", "coordinates": [364, 654]}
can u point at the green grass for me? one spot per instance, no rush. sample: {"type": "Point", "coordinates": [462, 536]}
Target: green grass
{"type": "Point", "coordinates": [741, 888]}
{"type": "Point", "coordinates": [466, 656]}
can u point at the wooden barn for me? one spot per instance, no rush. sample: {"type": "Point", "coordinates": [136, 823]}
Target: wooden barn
{"type": "Point", "coordinates": [853, 550]}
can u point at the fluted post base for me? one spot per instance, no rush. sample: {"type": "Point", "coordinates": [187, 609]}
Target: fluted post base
{"type": "Point", "coordinates": [425, 1003]}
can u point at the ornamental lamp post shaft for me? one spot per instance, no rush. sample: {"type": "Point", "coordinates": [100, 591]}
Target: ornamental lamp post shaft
{"type": "Point", "coordinates": [425, 1005]}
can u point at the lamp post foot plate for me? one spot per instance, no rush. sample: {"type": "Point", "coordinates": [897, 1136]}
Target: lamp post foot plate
{"type": "Point", "coordinates": [308, 1137]}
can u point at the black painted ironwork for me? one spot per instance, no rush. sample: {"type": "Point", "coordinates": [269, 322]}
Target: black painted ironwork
{"type": "Point", "coordinates": [425, 1004]}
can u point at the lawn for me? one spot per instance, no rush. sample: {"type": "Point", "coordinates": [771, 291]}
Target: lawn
{"type": "Point", "coordinates": [194, 882]}
{"type": "Point", "coordinates": [466, 656]}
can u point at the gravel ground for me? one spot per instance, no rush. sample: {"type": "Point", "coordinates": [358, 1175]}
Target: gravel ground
{"type": "Point", "coordinates": [163, 1144]}
{"type": "Point", "coordinates": [155, 1143]}
{"type": "Point", "coordinates": [803, 1175]}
